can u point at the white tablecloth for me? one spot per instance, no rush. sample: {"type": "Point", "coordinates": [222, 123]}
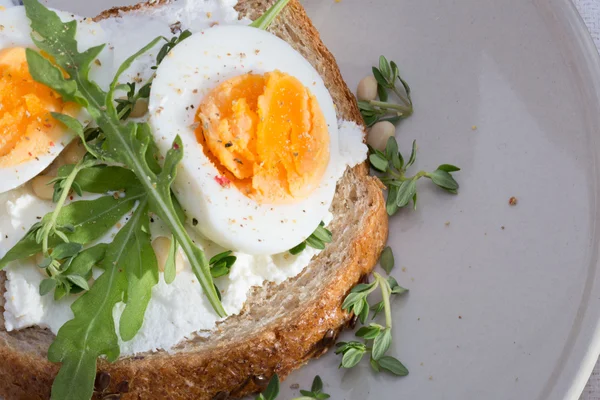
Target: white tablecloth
{"type": "Point", "coordinates": [590, 11]}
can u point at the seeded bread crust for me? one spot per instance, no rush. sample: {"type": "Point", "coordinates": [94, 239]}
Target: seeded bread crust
{"type": "Point", "coordinates": [282, 326]}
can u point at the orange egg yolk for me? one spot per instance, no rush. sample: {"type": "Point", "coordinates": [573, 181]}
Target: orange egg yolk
{"type": "Point", "coordinates": [267, 135]}
{"type": "Point", "coordinates": [26, 127]}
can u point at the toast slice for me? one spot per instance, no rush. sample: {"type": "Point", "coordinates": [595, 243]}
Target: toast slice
{"type": "Point", "coordinates": [281, 326]}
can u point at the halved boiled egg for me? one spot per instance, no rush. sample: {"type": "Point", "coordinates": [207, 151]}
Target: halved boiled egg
{"type": "Point", "coordinates": [260, 134]}
{"type": "Point", "coordinates": [30, 139]}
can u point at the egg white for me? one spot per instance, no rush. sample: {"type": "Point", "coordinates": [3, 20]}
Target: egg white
{"type": "Point", "coordinates": [224, 214]}
{"type": "Point", "coordinates": [15, 31]}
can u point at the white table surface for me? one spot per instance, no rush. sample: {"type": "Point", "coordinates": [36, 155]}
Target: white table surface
{"type": "Point", "coordinates": [590, 11]}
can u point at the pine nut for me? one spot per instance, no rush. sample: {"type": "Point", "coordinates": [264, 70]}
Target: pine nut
{"type": "Point", "coordinates": [161, 246]}
{"type": "Point", "coordinates": [41, 188]}
{"type": "Point", "coordinates": [367, 89]}
{"type": "Point", "coordinates": [380, 133]}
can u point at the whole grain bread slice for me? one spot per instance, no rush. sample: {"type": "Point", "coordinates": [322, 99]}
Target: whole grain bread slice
{"type": "Point", "coordinates": [281, 326]}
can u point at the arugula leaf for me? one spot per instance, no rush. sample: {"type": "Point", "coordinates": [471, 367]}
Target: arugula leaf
{"type": "Point", "coordinates": [164, 201]}
{"type": "Point", "coordinates": [91, 219]}
{"type": "Point", "coordinates": [170, 266]}
{"type": "Point", "coordinates": [381, 336]}
{"type": "Point", "coordinates": [50, 73]}
{"type": "Point", "coordinates": [142, 275]}
{"type": "Point", "coordinates": [75, 126]}
{"type": "Point", "coordinates": [102, 179]}
{"type": "Point", "coordinates": [91, 333]}
{"type": "Point", "coordinates": [145, 135]}
{"type": "Point", "coordinates": [127, 142]}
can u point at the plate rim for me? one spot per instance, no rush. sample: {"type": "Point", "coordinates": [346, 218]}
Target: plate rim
{"type": "Point", "coordinates": [587, 351]}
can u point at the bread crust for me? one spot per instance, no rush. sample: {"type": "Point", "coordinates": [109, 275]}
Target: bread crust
{"type": "Point", "coordinates": [281, 332]}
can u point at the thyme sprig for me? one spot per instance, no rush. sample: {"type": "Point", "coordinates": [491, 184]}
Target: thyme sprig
{"type": "Point", "coordinates": [377, 338]}
{"type": "Point", "coordinates": [221, 264]}
{"type": "Point", "coordinates": [402, 188]}
{"type": "Point", "coordinates": [387, 77]}
{"type": "Point", "coordinates": [62, 187]}
{"type": "Point", "coordinates": [272, 390]}
{"type": "Point", "coordinates": [315, 392]}
{"type": "Point", "coordinates": [317, 240]}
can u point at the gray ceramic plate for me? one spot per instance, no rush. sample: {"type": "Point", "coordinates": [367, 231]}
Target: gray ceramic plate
{"type": "Point", "coordinates": [504, 301]}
